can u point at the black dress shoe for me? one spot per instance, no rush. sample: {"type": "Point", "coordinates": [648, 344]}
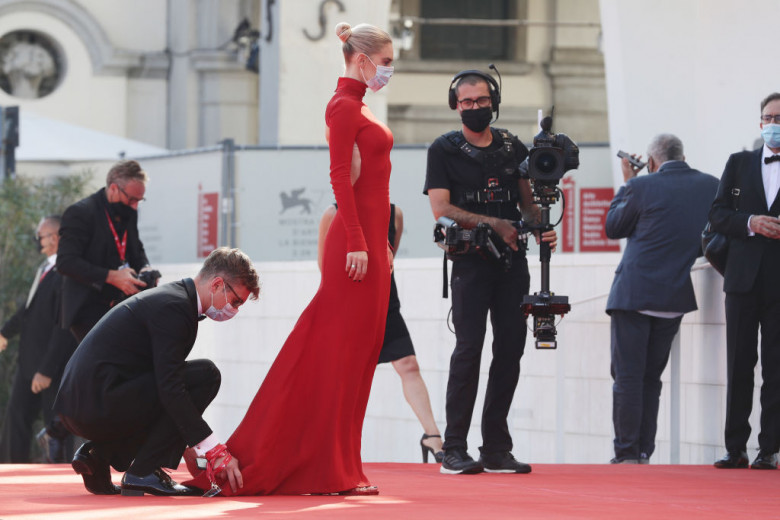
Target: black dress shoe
{"type": "Point", "coordinates": [765, 460]}
{"type": "Point", "coordinates": [733, 460]}
{"type": "Point", "coordinates": [158, 483]}
{"type": "Point", "coordinates": [94, 470]}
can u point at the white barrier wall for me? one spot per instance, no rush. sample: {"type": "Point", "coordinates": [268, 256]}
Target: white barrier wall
{"type": "Point", "coordinates": [278, 197]}
{"type": "Point", "coordinates": [696, 68]}
{"type": "Point", "coordinates": [562, 407]}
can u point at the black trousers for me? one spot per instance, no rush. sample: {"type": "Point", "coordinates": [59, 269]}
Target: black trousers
{"type": "Point", "coordinates": [22, 410]}
{"type": "Point", "coordinates": [142, 437]}
{"type": "Point", "coordinates": [745, 314]}
{"type": "Point", "coordinates": [480, 285]}
{"type": "Point", "coordinates": [640, 352]}
{"type": "Point", "coordinates": [87, 317]}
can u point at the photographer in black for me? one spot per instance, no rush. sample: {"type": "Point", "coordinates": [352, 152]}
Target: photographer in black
{"type": "Point", "coordinates": [101, 256]}
{"type": "Point", "coordinates": [473, 177]}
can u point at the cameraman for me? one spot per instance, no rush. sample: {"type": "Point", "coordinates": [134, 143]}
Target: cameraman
{"type": "Point", "coordinates": [100, 254]}
{"type": "Point", "coordinates": [473, 177]}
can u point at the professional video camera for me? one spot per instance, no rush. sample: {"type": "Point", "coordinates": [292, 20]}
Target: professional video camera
{"type": "Point", "coordinates": [455, 240]}
{"type": "Point", "coordinates": [551, 156]}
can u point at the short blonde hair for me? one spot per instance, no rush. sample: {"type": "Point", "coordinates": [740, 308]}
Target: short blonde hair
{"type": "Point", "coordinates": [363, 38]}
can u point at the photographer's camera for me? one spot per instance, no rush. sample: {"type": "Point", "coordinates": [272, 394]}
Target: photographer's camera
{"type": "Point", "coordinates": [149, 277]}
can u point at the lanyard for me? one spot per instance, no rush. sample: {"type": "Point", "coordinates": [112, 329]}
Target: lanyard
{"type": "Point", "coordinates": [121, 247]}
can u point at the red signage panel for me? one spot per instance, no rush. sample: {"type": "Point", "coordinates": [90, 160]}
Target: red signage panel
{"type": "Point", "coordinates": [594, 204]}
{"type": "Point", "coordinates": [208, 204]}
{"type": "Point", "coordinates": [568, 229]}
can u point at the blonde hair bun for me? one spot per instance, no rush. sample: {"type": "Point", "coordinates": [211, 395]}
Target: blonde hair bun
{"type": "Point", "coordinates": [343, 31]}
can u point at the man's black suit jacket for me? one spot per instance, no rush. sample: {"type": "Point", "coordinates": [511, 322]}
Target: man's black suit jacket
{"type": "Point", "coordinates": [44, 346]}
{"type": "Point", "coordinates": [145, 338]}
{"type": "Point", "coordinates": [730, 213]}
{"type": "Point", "coordinates": [87, 251]}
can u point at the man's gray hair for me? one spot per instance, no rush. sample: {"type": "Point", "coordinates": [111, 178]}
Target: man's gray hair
{"type": "Point", "coordinates": [666, 147]}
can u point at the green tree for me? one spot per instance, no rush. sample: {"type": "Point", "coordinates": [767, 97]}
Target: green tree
{"type": "Point", "coordinates": [23, 202]}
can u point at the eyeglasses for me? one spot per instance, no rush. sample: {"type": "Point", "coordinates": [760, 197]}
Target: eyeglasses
{"type": "Point", "coordinates": [768, 118]}
{"type": "Point", "coordinates": [131, 199]}
{"type": "Point", "coordinates": [240, 300]}
{"type": "Point", "coordinates": [481, 102]}
{"type": "Point", "coordinates": [38, 237]}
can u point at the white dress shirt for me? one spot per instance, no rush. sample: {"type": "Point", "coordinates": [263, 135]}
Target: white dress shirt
{"type": "Point", "coordinates": [770, 175]}
{"type": "Point", "coordinates": [212, 440]}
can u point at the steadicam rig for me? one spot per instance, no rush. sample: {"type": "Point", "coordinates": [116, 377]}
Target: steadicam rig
{"type": "Point", "coordinates": [550, 158]}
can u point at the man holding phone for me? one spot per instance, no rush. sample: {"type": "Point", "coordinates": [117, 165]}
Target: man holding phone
{"type": "Point", "coordinates": [662, 215]}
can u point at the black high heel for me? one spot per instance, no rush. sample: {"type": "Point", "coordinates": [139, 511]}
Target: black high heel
{"type": "Point", "coordinates": [438, 456]}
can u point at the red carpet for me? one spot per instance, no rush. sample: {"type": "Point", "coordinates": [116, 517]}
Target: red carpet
{"type": "Point", "coordinates": [418, 491]}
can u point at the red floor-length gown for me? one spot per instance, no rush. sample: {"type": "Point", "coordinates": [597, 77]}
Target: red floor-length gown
{"type": "Point", "coordinates": [302, 432]}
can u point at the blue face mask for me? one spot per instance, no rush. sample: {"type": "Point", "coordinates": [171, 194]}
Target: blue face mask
{"type": "Point", "coordinates": [771, 135]}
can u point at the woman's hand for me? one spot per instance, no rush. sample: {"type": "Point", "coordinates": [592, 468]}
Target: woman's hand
{"type": "Point", "coordinates": [357, 265]}
{"type": "Point", "coordinates": [390, 256]}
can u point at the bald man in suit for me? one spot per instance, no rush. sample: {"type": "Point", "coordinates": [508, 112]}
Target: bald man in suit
{"type": "Point", "coordinates": [44, 349]}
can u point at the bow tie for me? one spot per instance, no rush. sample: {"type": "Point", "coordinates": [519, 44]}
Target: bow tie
{"type": "Point", "coordinates": [771, 159]}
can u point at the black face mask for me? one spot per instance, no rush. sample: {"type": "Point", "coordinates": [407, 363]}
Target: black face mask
{"type": "Point", "coordinates": [478, 119]}
{"type": "Point", "coordinates": [123, 211]}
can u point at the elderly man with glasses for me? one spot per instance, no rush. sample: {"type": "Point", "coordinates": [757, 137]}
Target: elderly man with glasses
{"type": "Point", "coordinates": [100, 253]}
{"type": "Point", "coordinates": [44, 349]}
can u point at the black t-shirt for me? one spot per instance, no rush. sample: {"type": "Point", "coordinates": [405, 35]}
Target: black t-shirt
{"type": "Point", "coordinates": [451, 169]}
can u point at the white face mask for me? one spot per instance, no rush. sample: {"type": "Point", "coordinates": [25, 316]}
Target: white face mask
{"type": "Point", "coordinates": [223, 314]}
{"type": "Point", "coordinates": [381, 77]}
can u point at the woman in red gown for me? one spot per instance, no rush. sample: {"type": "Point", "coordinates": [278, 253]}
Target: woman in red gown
{"type": "Point", "coordinates": [302, 432]}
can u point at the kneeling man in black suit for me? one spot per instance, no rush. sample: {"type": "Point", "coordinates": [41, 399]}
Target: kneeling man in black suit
{"type": "Point", "coordinates": [129, 390]}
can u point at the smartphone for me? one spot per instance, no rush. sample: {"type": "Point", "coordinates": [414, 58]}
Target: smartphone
{"type": "Point", "coordinates": [634, 162]}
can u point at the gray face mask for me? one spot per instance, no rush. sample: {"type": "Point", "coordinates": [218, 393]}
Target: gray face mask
{"type": "Point", "coordinates": [380, 79]}
{"type": "Point", "coordinates": [223, 314]}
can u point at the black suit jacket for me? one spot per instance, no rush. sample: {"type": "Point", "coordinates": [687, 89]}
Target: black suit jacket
{"type": "Point", "coordinates": [662, 215]}
{"type": "Point", "coordinates": [145, 338]}
{"type": "Point", "coordinates": [44, 346]}
{"type": "Point", "coordinates": [87, 251]}
{"type": "Point", "coordinates": [730, 213]}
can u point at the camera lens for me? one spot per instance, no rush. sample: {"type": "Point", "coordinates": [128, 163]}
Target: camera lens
{"type": "Point", "coordinates": [546, 163]}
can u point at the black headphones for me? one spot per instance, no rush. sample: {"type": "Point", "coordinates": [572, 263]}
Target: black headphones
{"type": "Point", "coordinates": [495, 90]}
